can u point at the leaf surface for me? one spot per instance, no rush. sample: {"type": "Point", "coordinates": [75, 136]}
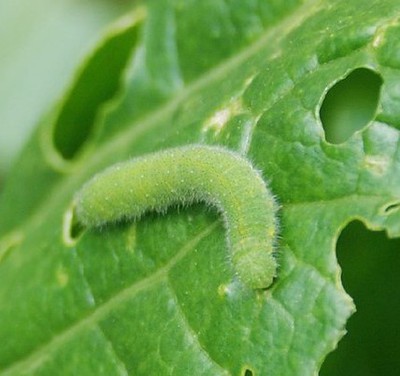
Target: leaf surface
{"type": "Point", "coordinates": [159, 296]}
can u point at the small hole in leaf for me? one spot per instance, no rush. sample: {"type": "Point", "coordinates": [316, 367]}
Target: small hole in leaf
{"type": "Point", "coordinates": [248, 372]}
{"type": "Point", "coordinates": [72, 228]}
{"type": "Point", "coordinates": [370, 264]}
{"type": "Point", "coordinates": [391, 208]}
{"type": "Point", "coordinates": [350, 105]}
{"type": "Point", "coordinates": [76, 230]}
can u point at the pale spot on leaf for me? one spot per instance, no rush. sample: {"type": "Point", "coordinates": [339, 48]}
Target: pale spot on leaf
{"type": "Point", "coordinates": [376, 163]}
{"type": "Point", "coordinates": [62, 276]}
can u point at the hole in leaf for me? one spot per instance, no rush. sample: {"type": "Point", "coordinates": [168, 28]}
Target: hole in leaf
{"type": "Point", "coordinates": [248, 372]}
{"type": "Point", "coordinates": [350, 105]}
{"type": "Point", "coordinates": [76, 230]}
{"type": "Point", "coordinates": [370, 265]}
{"type": "Point", "coordinates": [72, 228]}
{"type": "Point", "coordinates": [391, 208]}
{"type": "Point", "coordinates": [98, 82]}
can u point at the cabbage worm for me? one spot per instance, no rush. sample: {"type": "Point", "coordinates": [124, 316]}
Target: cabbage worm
{"type": "Point", "coordinates": [182, 175]}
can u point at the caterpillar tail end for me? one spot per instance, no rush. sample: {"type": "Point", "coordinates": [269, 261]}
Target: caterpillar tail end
{"type": "Point", "coordinates": [257, 272]}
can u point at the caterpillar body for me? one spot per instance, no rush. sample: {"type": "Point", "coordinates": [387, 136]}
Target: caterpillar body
{"type": "Point", "coordinates": [182, 175]}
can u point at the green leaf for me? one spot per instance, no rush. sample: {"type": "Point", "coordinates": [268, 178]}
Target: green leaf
{"type": "Point", "coordinates": [159, 296]}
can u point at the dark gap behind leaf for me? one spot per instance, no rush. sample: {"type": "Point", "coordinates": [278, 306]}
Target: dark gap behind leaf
{"type": "Point", "coordinates": [370, 265]}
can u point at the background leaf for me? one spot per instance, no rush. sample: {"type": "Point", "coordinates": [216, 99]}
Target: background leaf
{"type": "Point", "coordinates": [159, 296]}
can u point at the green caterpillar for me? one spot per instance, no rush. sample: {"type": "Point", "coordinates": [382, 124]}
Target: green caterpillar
{"type": "Point", "coordinates": [183, 175]}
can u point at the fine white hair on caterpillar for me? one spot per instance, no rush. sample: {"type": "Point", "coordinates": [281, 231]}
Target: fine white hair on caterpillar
{"type": "Point", "coordinates": [182, 175]}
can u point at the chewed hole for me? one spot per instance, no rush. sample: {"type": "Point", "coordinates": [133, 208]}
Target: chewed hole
{"type": "Point", "coordinates": [350, 105]}
{"type": "Point", "coordinates": [248, 372]}
{"type": "Point", "coordinates": [391, 208]}
{"type": "Point", "coordinates": [72, 228]}
{"type": "Point", "coordinates": [370, 264]}
{"type": "Point", "coordinates": [98, 82]}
